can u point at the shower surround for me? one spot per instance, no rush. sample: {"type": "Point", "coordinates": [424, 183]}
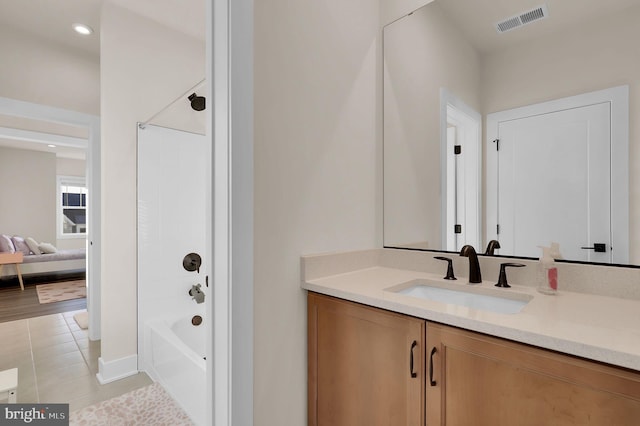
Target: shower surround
{"type": "Point", "coordinates": [172, 185]}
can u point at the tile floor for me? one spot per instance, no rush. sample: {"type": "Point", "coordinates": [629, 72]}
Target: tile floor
{"type": "Point", "coordinates": [57, 362]}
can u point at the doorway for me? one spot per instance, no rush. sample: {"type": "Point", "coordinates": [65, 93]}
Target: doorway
{"type": "Point", "coordinates": [461, 148]}
{"type": "Point", "coordinates": [48, 114]}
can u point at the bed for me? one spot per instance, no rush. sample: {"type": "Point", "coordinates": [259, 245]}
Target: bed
{"type": "Point", "coordinates": [61, 260]}
{"type": "Point", "coordinates": [42, 258]}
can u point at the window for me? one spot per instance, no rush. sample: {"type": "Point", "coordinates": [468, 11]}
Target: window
{"type": "Point", "coordinates": [72, 207]}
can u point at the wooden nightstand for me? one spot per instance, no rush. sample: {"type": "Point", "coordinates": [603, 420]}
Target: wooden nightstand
{"type": "Point", "coordinates": [12, 259]}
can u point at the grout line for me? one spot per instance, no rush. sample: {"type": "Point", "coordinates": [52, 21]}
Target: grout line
{"type": "Point", "coordinates": [37, 380]}
{"type": "Point", "coordinates": [29, 323]}
{"type": "Point", "coordinates": [33, 363]}
{"type": "Point", "coordinates": [84, 357]}
{"type": "Point", "coordinates": [85, 399]}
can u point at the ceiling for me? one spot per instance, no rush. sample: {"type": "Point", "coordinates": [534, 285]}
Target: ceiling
{"type": "Point", "coordinates": [51, 20]}
{"type": "Point", "coordinates": [477, 18]}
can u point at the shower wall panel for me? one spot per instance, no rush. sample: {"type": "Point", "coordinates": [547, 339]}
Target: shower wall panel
{"type": "Point", "coordinates": [172, 185]}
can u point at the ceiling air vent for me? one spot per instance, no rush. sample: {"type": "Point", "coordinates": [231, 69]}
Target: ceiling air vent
{"type": "Point", "coordinates": [523, 18]}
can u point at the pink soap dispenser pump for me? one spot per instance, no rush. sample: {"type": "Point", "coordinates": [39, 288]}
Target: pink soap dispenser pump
{"type": "Point", "coordinates": [547, 271]}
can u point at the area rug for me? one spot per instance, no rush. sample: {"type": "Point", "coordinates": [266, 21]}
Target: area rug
{"type": "Point", "coordinates": [150, 405]}
{"type": "Point", "coordinates": [82, 319]}
{"type": "Point", "coordinates": [57, 292]}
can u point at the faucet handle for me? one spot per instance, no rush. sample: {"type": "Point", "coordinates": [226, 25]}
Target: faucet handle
{"type": "Point", "coordinates": [191, 262]}
{"type": "Point", "coordinates": [502, 279]}
{"type": "Point", "coordinates": [196, 293]}
{"type": "Point", "coordinates": [450, 275]}
{"type": "Point", "coordinates": [194, 290]}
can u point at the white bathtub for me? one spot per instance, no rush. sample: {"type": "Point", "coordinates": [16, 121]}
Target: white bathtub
{"type": "Point", "coordinates": [175, 357]}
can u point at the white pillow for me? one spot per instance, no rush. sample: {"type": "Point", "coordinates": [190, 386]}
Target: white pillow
{"type": "Point", "coordinates": [47, 248]}
{"type": "Point", "coordinates": [33, 245]}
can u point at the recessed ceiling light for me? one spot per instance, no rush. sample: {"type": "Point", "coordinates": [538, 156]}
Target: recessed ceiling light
{"type": "Point", "coordinates": [51, 146]}
{"type": "Point", "coordinates": [82, 29]}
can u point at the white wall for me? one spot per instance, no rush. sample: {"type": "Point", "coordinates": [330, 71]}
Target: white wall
{"type": "Point", "coordinates": [590, 57]}
{"type": "Point", "coordinates": [28, 191]}
{"type": "Point", "coordinates": [317, 154]}
{"type": "Point", "coordinates": [71, 167]}
{"type": "Point", "coordinates": [28, 194]}
{"type": "Point", "coordinates": [144, 66]}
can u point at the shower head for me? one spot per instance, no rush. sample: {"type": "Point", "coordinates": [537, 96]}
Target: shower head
{"type": "Point", "coordinates": [197, 102]}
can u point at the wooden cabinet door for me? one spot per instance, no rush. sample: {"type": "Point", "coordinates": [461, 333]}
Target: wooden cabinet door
{"type": "Point", "coordinates": [480, 380]}
{"type": "Point", "coordinates": [360, 362]}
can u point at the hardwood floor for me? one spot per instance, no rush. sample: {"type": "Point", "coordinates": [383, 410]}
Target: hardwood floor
{"type": "Point", "coordinates": [16, 304]}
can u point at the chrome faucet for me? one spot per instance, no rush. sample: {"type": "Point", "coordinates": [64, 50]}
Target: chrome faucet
{"type": "Point", "coordinates": [493, 244]}
{"type": "Point", "coordinates": [475, 276]}
{"type": "Point", "coordinates": [196, 294]}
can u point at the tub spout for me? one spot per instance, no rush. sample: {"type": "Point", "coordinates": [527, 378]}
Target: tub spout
{"type": "Point", "coordinates": [196, 293]}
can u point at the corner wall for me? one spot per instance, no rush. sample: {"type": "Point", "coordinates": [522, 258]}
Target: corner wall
{"type": "Point", "coordinates": [144, 67]}
{"type": "Point", "coordinates": [316, 184]}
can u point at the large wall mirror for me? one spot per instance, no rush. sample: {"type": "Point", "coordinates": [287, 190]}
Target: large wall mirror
{"type": "Point", "coordinates": [514, 121]}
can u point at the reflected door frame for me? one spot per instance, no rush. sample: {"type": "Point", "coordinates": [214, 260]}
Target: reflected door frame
{"type": "Point", "coordinates": [618, 97]}
{"type": "Point", "coordinates": [461, 175]}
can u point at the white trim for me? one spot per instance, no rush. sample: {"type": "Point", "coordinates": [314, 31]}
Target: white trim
{"type": "Point", "coordinates": [17, 108]}
{"type": "Point", "coordinates": [110, 371]}
{"type": "Point", "coordinates": [242, 176]}
{"type": "Point", "coordinates": [219, 383]}
{"type": "Point", "coordinates": [619, 100]}
{"type": "Point", "coordinates": [60, 179]}
{"type": "Point", "coordinates": [94, 245]}
{"type": "Point", "coordinates": [230, 71]}
{"type": "Point", "coordinates": [42, 138]}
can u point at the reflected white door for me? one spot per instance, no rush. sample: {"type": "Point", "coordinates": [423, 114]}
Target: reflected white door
{"type": "Point", "coordinates": [554, 182]}
{"type": "Point", "coordinates": [461, 177]}
{"type": "Point", "coordinates": [461, 226]}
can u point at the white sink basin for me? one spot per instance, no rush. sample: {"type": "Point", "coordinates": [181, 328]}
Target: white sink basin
{"type": "Point", "coordinates": [501, 301]}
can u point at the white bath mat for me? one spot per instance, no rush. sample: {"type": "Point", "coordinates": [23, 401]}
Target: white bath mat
{"type": "Point", "coordinates": [150, 405]}
{"type": "Point", "coordinates": [82, 319]}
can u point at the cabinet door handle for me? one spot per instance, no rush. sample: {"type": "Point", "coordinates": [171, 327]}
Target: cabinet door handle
{"type": "Point", "coordinates": [431, 381]}
{"type": "Point", "coordinates": [413, 373]}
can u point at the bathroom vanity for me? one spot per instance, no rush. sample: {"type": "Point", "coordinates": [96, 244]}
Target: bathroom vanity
{"type": "Point", "coordinates": [377, 356]}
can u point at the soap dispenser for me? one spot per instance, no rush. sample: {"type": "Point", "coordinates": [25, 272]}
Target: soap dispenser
{"type": "Point", "coordinates": [547, 275]}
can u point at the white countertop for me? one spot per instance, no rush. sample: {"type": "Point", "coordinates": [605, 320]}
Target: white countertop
{"type": "Point", "coordinates": [595, 327]}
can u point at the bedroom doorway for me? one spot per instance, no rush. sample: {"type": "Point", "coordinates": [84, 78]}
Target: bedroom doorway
{"type": "Point", "coordinates": [38, 126]}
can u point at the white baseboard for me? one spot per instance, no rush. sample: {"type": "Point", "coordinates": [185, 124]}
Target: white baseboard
{"type": "Point", "coordinates": [110, 371]}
